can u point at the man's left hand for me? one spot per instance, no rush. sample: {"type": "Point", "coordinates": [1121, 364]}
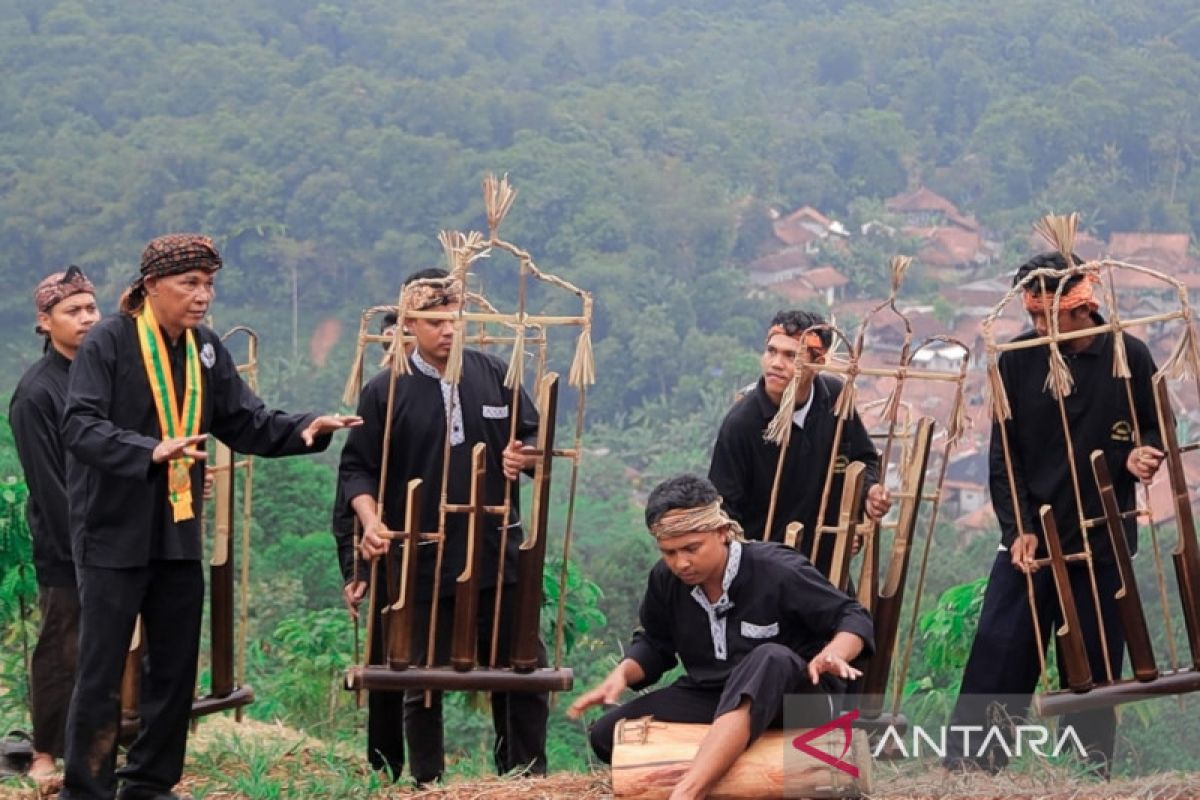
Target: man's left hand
{"type": "Point", "coordinates": [879, 502]}
{"type": "Point", "coordinates": [832, 663]}
{"type": "Point", "coordinates": [328, 423]}
{"type": "Point", "coordinates": [1143, 462]}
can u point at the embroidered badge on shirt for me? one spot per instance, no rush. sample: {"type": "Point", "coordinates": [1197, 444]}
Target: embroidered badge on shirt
{"type": "Point", "coordinates": [208, 356]}
{"type": "Point", "coordinates": [752, 631]}
{"type": "Point", "coordinates": [495, 412]}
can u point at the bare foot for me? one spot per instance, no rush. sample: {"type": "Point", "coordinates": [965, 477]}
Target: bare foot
{"type": "Point", "coordinates": [45, 774]}
{"type": "Point", "coordinates": [42, 764]}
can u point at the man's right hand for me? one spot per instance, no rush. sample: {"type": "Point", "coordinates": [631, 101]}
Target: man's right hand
{"type": "Point", "coordinates": [352, 596]}
{"type": "Point", "coordinates": [607, 693]}
{"type": "Point", "coordinates": [1023, 552]}
{"type": "Point", "coordinates": [180, 446]}
{"type": "Point", "coordinates": [373, 543]}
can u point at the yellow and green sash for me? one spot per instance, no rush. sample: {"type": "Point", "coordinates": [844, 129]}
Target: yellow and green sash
{"type": "Point", "coordinates": [170, 420]}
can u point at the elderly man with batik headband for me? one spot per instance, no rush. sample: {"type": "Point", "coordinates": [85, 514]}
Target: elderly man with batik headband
{"type": "Point", "coordinates": [750, 621]}
{"type": "Point", "coordinates": [1004, 658]}
{"type": "Point", "coordinates": [147, 388]}
{"type": "Point", "coordinates": [65, 305]}
{"type": "Point", "coordinates": [744, 462]}
{"type": "Point", "coordinates": [427, 408]}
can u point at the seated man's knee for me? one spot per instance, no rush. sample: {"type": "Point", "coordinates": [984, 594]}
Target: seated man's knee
{"type": "Point", "coordinates": [771, 656]}
{"type": "Point", "coordinates": [773, 651]}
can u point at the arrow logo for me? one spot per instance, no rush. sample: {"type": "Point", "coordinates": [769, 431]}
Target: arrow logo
{"type": "Point", "coordinates": [842, 723]}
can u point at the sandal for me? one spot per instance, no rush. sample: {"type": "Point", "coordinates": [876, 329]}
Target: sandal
{"type": "Point", "coordinates": [16, 753]}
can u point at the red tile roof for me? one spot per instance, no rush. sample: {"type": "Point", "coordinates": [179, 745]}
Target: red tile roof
{"type": "Point", "coordinates": [793, 232]}
{"type": "Point", "coordinates": [920, 199]}
{"type": "Point", "coordinates": [785, 259]}
{"type": "Point", "coordinates": [1128, 245]}
{"type": "Point", "coordinates": [946, 246]}
{"type": "Point", "coordinates": [809, 213]}
{"type": "Point", "coordinates": [824, 278]}
{"type": "Point", "coordinates": [796, 290]}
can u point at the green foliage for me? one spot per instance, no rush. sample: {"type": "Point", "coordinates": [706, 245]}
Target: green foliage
{"type": "Point", "coordinates": [946, 631]}
{"type": "Point", "coordinates": [293, 497]}
{"type": "Point", "coordinates": [18, 599]}
{"type": "Point", "coordinates": [581, 613]}
{"type": "Point", "coordinates": [297, 671]}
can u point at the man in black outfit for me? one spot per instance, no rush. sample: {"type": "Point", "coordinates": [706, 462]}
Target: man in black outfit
{"type": "Point", "coordinates": [744, 464]}
{"type": "Point", "coordinates": [477, 409]}
{"type": "Point", "coordinates": [146, 388]}
{"type": "Point", "coordinates": [66, 310]}
{"type": "Point", "coordinates": [751, 622]}
{"type": "Point", "coordinates": [1004, 655]}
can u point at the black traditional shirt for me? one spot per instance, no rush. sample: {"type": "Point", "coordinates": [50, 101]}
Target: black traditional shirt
{"type": "Point", "coordinates": [416, 450]}
{"type": "Point", "coordinates": [743, 463]}
{"type": "Point", "coordinates": [120, 514]}
{"type": "Point", "coordinates": [36, 414]}
{"type": "Point", "coordinates": [1100, 419]}
{"type": "Point", "coordinates": [772, 594]}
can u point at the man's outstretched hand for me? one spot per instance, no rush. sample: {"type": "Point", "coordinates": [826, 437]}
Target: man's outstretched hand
{"type": "Point", "coordinates": [328, 423]}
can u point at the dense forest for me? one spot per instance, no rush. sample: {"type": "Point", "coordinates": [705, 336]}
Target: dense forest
{"type": "Point", "coordinates": [324, 143]}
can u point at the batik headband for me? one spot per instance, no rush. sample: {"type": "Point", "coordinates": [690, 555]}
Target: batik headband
{"type": "Point", "coordinates": [58, 286]}
{"type": "Point", "coordinates": [1081, 294]}
{"type": "Point", "coordinates": [679, 521]}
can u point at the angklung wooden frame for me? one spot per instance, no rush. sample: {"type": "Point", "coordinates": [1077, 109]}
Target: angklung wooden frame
{"type": "Point", "coordinates": [917, 462]}
{"type": "Point", "coordinates": [227, 653]}
{"type": "Point", "coordinates": [469, 670]}
{"type": "Point", "coordinates": [1086, 690]}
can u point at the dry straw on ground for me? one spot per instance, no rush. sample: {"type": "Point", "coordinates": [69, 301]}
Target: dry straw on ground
{"type": "Point", "coordinates": [221, 751]}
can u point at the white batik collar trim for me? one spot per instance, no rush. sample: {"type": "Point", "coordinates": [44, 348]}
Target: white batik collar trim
{"type": "Point", "coordinates": [450, 399]}
{"type": "Point", "coordinates": [802, 412]}
{"type": "Point", "coordinates": [719, 610]}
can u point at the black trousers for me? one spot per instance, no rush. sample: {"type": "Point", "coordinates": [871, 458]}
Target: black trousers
{"type": "Point", "coordinates": [518, 718]}
{"type": "Point", "coordinates": [763, 677]}
{"type": "Point", "coordinates": [1004, 657]}
{"type": "Point", "coordinates": [170, 596]}
{"type": "Point", "coordinates": [52, 667]}
{"type": "Point", "coordinates": [385, 713]}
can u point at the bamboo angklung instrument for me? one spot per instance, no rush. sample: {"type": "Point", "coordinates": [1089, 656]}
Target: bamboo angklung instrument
{"type": "Point", "coordinates": [849, 517]}
{"type": "Point", "coordinates": [466, 589]}
{"type": "Point", "coordinates": [1070, 634]}
{"type": "Point", "coordinates": [131, 685]}
{"type": "Point", "coordinates": [912, 493]}
{"type": "Point", "coordinates": [888, 601]}
{"type": "Point", "coordinates": [531, 558]}
{"type": "Point", "coordinates": [224, 653]}
{"type": "Point", "coordinates": [401, 614]}
{"type": "Point", "coordinates": [220, 576]}
{"type": "Point", "coordinates": [1129, 599]}
{"type": "Point", "coordinates": [469, 669]}
{"type": "Point", "coordinates": [1185, 359]}
{"type": "Point", "coordinates": [1187, 552]}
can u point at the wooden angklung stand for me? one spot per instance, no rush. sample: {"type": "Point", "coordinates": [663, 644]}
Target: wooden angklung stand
{"type": "Point", "coordinates": [227, 656]}
{"type": "Point", "coordinates": [910, 462]}
{"type": "Point", "coordinates": [1149, 678]}
{"type": "Point", "coordinates": [480, 323]}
